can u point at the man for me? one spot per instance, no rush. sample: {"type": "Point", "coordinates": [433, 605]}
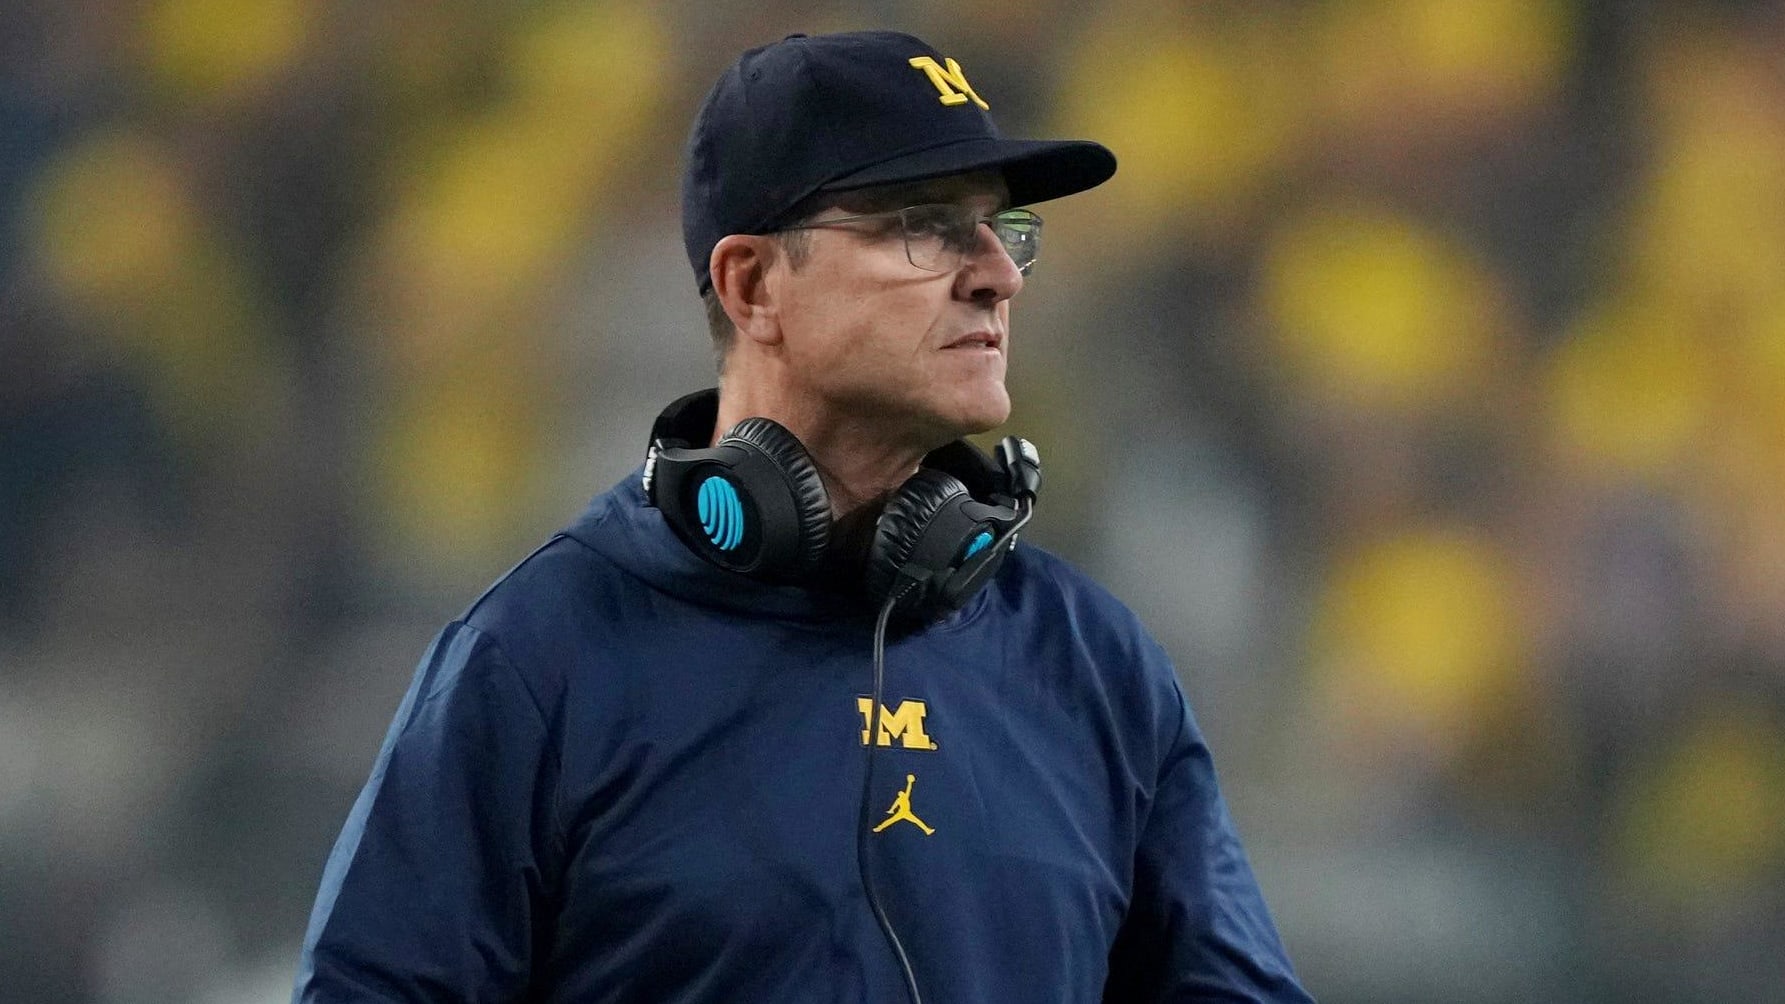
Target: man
{"type": "Point", "coordinates": [640, 767]}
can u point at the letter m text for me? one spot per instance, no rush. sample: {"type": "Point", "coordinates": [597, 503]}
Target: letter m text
{"type": "Point", "coordinates": [906, 722]}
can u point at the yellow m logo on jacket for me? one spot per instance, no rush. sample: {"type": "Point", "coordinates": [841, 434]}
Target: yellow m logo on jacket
{"type": "Point", "coordinates": [905, 722]}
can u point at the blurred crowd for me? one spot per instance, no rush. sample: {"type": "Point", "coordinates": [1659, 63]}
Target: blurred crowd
{"type": "Point", "coordinates": [1420, 379]}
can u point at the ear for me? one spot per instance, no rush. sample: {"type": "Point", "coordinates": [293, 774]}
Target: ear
{"type": "Point", "coordinates": [740, 266]}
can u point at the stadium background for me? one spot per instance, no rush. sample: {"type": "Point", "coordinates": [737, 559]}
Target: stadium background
{"type": "Point", "coordinates": [1420, 378]}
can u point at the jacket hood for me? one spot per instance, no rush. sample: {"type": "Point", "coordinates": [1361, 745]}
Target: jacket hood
{"type": "Point", "coordinates": [621, 526]}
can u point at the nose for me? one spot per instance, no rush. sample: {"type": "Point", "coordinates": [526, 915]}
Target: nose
{"type": "Point", "coordinates": [987, 274]}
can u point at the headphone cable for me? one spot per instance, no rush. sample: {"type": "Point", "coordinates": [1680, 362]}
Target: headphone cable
{"type": "Point", "coordinates": [861, 829]}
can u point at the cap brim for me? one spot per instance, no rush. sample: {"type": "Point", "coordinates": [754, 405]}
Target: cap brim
{"type": "Point", "coordinates": [1035, 169]}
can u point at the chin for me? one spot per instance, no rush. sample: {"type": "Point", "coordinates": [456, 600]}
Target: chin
{"type": "Point", "coordinates": [985, 412]}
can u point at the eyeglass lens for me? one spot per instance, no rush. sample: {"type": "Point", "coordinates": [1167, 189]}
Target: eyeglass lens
{"type": "Point", "coordinates": [938, 237]}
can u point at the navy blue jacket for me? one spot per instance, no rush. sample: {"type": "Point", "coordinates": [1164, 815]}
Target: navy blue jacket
{"type": "Point", "coordinates": [629, 776]}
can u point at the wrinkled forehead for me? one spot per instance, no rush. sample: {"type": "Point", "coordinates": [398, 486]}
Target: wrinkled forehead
{"type": "Point", "coordinates": [985, 189]}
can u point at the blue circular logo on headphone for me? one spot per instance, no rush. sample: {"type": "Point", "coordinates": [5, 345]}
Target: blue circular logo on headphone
{"type": "Point", "coordinates": [721, 513]}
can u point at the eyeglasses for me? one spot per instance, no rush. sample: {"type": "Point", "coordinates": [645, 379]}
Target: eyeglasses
{"type": "Point", "coordinates": [939, 236]}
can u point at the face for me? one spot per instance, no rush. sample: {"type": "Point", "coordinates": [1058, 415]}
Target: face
{"type": "Point", "coordinates": [869, 335]}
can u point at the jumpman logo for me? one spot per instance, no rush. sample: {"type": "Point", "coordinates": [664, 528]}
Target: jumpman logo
{"type": "Point", "coordinates": [901, 809]}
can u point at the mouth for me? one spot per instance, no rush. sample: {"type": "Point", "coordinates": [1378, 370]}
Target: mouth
{"type": "Point", "coordinates": [984, 340]}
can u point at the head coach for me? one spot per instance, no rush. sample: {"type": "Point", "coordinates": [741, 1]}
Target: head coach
{"type": "Point", "coordinates": [787, 715]}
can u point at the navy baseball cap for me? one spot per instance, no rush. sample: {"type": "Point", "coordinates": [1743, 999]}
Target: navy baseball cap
{"type": "Point", "coordinates": [831, 113]}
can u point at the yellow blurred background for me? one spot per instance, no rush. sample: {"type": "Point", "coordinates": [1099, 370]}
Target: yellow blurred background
{"type": "Point", "coordinates": [1420, 378]}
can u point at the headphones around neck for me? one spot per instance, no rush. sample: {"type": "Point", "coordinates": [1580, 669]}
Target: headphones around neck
{"type": "Point", "coordinates": [754, 503]}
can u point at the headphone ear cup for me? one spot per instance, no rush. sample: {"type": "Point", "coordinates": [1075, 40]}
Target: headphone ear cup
{"type": "Point", "coordinates": [811, 504]}
{"type": "Point", "coordinates": [908, 513]}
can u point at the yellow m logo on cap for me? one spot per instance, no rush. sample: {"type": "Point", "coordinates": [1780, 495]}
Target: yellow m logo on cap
{"type": "Point", "coordinates": [950, 82]}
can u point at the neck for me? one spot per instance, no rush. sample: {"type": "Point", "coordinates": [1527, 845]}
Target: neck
{"type": "Point", "coordinates": [859, 455]}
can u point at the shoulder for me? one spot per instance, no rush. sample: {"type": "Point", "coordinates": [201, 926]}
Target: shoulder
{"type": "Point", "coordinates": [1050, 590]}
{"type": "Point", "coordinates": [569, 583]}
{"type": "Point", "coordinates": [552, 610]}
{"type": "Point", "coordinates": [1070, 622]}
{"type": "Point", "coordinates": [1077, 642]}
{"type": "Point", "coordinates": [549, 591]}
